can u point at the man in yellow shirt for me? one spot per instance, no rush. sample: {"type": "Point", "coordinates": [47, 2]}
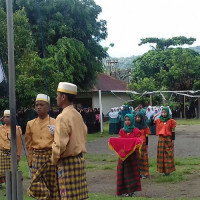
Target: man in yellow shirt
{"type": "Point", "coordinates": [69, 145]}
{"type": "Point", "coordinates": [5, 147]}
{"type": "Point", "coordinates": [39, 138]}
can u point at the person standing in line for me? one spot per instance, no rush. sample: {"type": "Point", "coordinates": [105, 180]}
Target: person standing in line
{"type": "Point", "coordinates": [39, 138]}
{"type": "Point", "coordinates": [5, 147]}
{"type": "Point", "coordinates": [128, 174]}
{"type": "Point", "coordinates": [165, 129]}
{"type": "Point", "coordinates": [114, 122]}
{"type": "Point", "coordinates": [140, 123]}
{"type": "Point", "coordinates": [69, 146]}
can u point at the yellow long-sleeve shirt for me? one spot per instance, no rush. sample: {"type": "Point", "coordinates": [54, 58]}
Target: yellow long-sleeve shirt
{"type": "Point", "coordinates": [70, 135]}
{"type": "Point", "coordinates": [5, 137]}
{"type": "Point", "coordinates": [38, 136]}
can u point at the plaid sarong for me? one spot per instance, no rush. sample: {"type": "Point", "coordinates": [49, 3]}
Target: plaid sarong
{"type": "Point", "coordinates": [72, 178]}
{"type": "Point", "coordinates": [165, 155]}
{"type": "Point", "coordinates": [44, 183]}
{"type": "Point", "coordinates": [5, 163]}
{"type": "Point", "coordinates": [144, 161]}
{"type": "Point", "coordinates": [128, 175]}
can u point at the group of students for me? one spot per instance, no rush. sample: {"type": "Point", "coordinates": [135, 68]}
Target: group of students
{"type": "Point", "coordinates": [116, 118]}
{"type": "Point", "coordinates": [55, 148]}
{"type": "Point", "coordinates": [136, 164]}
{"type": "Point", "coordinates": [91, 117]}
{"type": "Point", "coordinates": [117, 114]}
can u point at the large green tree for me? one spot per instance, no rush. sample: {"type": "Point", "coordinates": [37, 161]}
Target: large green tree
{"type": "Point", "coordinates": [71, 32]}
{"type": "Point", "coordinates": [24, 41]}
{"type": "Point", "coordinates": [167, 69]}
{"type": "Point", "coordinates": [73, 19]}
{"type": "Point", "coordinates": [162, 43]}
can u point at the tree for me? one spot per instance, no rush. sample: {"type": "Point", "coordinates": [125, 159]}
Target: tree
{"type": "Point", "coordinates": [71, 32]}
{"type": "Point", "coordinates": [24, 44]}
{"type": "Point", "coordinates": [168, 69]}
{"type": "Point", "coordinates": [71, 19]}
{"type": "Point", "coordinates": [162, 44]}
{"type": "Point", "coordinates": [22, 35]}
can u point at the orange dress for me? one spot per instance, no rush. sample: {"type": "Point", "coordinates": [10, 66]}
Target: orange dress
{"type": "Point", "coordinates": [165, 128]}
{"type": "Point", "coordinates": [165, 149]}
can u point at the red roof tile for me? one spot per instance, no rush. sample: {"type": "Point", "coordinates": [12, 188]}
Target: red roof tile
{"type": "Point", "coordinates": [106, 83]}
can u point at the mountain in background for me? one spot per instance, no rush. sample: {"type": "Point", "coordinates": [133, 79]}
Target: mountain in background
{"type": "Point", "coordinates": [125, 62]}
{"type": "Point", "coordinates": [197, 49]}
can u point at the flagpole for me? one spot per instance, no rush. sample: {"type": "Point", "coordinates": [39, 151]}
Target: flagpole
{"type": "Point", "coordinates": [12, 101]}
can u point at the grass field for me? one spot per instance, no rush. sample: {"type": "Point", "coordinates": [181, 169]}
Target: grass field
{"type": "Point", "coordinates": [184, 166]}
{"type": "Point", "coordinates": [110, 197]}
{"type": "Point", "coordinates": [188, 121]}
{"type": "Point", "coordinates": [94, 136]}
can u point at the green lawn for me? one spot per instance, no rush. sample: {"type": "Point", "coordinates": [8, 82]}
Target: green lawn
{"type": "Point", "coordinates": [101, 196]}
{"type": "Point", "coordinates": [188, 121]}
{"type": "Point", "coordinates": [94, 136]}
{"type": "Point", "coordinates": [184, 166]}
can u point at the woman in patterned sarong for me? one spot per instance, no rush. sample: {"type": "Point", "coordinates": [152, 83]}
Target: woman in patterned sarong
{"type": "Point", "coordinates": [128, 174]}
{"type": "Point", "coordinates": [140, 123]}
{"type": "Point", "coordinates": [165, 129]}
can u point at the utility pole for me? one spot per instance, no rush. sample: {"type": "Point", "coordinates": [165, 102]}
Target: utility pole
{"type": "Point", "coordinates": [112, 65]}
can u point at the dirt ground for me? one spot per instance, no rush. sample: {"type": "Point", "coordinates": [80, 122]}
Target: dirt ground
{"type": "Point", "coordinates": [187, 144]}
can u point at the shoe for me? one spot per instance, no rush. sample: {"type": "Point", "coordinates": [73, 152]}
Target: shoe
{"type": "Point", "coordinates": [125, 195]}
{"type": "Point", "coordinates": [129, 195]}
{"type": "Point", "coordinates": [143, 176]}
{"type": "Point", "coordinates": [132, 194]}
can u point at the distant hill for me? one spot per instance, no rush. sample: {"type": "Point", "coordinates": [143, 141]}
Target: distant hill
{"type": "Point", "coordinates": [197, 48]}
{"type": "Point", "coordinates": [125, 62]}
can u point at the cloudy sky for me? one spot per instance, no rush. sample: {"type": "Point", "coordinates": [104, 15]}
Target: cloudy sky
{"type": "Point", "coordinates": [130, 20]}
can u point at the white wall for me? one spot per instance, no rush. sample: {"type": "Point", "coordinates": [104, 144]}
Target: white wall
{"type": "Point", "coordinates": [109, 100]}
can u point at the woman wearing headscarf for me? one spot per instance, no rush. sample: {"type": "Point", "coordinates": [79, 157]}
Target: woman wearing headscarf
{"type": "Point", "coordinates": [165, 129]}
{"type": "Point", "coordinates": [140, 123]}
{"type": "Point", "coordinates": [113, 122]}
{"type": "Point", "coordinates": [124, 111]}
{"type": "Point", "coordinates": [128, 174]}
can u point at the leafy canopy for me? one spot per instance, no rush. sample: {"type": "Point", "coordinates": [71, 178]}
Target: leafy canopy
{"type": "Point", "coordinates": [71, 32]}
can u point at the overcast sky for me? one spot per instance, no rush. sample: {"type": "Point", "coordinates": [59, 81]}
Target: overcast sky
{"type": "Point", "coordinates": [130, 20]}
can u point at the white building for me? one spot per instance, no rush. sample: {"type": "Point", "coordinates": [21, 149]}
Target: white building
{"type": "Point", "coordinates": [113, 92]}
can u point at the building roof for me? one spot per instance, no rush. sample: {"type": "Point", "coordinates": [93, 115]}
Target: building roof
{"type": "Point", "coordinates": [107, 83]}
